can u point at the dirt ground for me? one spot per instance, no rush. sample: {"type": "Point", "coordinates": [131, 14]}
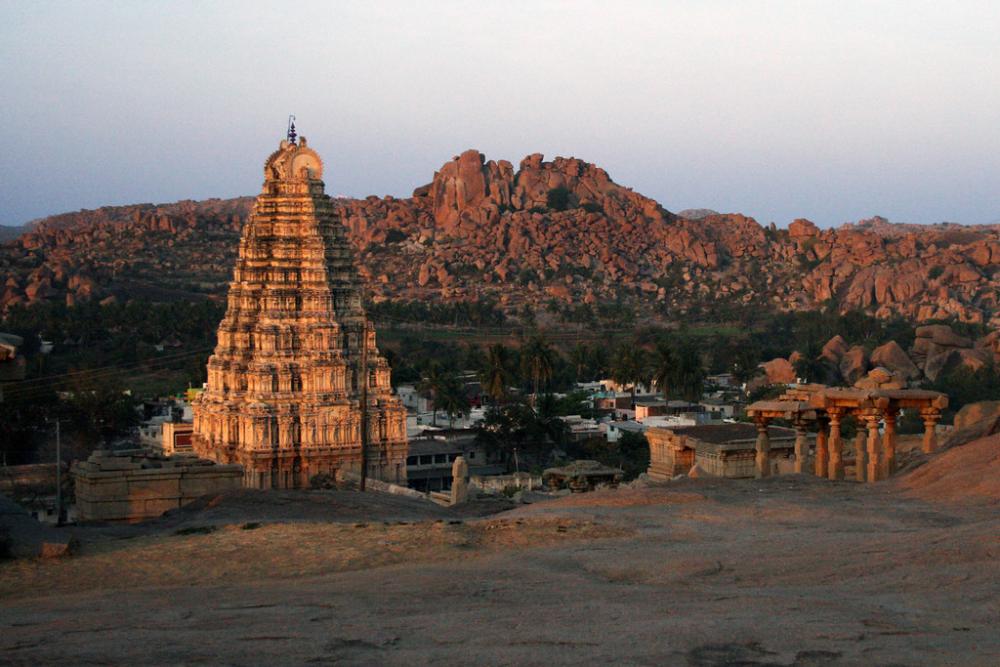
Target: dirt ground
{"type": "Point", "coordinates": [790, 570]}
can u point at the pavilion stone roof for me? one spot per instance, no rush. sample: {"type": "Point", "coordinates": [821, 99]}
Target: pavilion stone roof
{"type": "Point", "coordinates": [721, 434]}
{"type": "Point", "coordinates": [803, 400]}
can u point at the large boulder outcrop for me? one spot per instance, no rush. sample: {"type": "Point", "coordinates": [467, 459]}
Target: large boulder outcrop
{"type": "Point", "coordinates": [891, 356]}
{"type": "Point", "coordinates": [854, 364]}
{"type": "Point", "coordinates": [779, 371]}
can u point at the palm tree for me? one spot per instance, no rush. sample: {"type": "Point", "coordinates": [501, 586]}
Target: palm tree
{"type": "Point", "coordinates": [688, 376]}
{"type": "Point", "coordinates": [812, 366]}
{"type": "Point", "coordinates": [579, 356]}
{"type": "Point", "coordinates": [626, 367]}
{"type": "Point", "coordinates": [430, 387]}
{"type": "Point", "coordinates": [664, 367]}
{"type": "Point", "coordinates": [497, 375]}
{"type": "Point", "coordinates": [538, 360]}
{"type": "Point", "coordinates": [451, 398]}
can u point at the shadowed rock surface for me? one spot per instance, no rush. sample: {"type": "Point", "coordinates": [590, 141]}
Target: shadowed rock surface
{"type": "Point", "coordinates": [790, 570]}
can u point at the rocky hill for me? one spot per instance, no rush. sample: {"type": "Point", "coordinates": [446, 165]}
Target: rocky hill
{"type": "Point", "coordinates": [559, 231]}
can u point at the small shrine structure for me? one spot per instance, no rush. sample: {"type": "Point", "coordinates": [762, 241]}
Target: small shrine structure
{"type": "Point", "coordinates": [876, 399]}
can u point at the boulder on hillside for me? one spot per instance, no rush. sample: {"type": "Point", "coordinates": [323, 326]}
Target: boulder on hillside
{"type": "Point", "coordinates": [974, 421]}
{"type": "Point", "coordinates": [941, 334]}
{"type": "Point", "coordinates": [779, 371]}
{"type": "Point", "coordinates": [854, 364]}
{"type": "Point", "coordinates": [835, 349]}
{"type": "Point", "coordinates": [952, 359]}
{"type": "Point", "coordinates": [881, 378]}
{"type": "Point", "coordinates": [892, 356]}
{"type": "Point", "coordinates": [976, 412]}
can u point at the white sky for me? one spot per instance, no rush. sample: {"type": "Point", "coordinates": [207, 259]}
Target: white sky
{"type": "Point", "coordinates": [832, 111]}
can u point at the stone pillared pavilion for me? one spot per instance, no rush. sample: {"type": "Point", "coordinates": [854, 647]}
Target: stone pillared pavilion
{"type": "Point", "coordinates": [284, 391]}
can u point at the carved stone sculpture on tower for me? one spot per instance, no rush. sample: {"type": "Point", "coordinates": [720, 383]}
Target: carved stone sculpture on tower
{"type": "Point", "coordinates": [284, 391]}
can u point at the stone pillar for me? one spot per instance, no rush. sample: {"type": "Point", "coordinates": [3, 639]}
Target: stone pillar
{"type": "Point", "coordinates": [874, 449]}
{"type": "Point", "coordinates": [889, 444]}
{"type": "Point", "coordinates": [459, 481]}
{"type": "Point", "coordinates": [931, 418]}
{"type": "Point", "coordinates": [801, 447]}
{"type": "Point", "coordinates": [835, 465]}
{"type": "Point", "coordinates": [763, 459]}
{"type": "Point", "coordinates": [821, 451]}
{"type": "Point", "coordinates": [860, 455]}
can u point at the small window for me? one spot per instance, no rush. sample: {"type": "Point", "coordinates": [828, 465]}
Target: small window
{"type": "Point", "coordinates": [411, 460]}
{"type": "Point", "coordinates": [440, 458]}
{"type": "Point", "coordinates": [472, 455]}
{"type": "Point", "coordinates": [426, 460]}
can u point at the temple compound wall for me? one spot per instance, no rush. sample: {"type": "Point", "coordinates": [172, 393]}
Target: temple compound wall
{"type": "Point", "coordinates": [296, 382]}
{"type": "Point", "coordinates": [722, 450]}
{"type": "Point", "coordinates": [133, 485]}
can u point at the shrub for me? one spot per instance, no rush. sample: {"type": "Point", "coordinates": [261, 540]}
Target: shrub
{"type": "Point", "coordinates": [557, 198]}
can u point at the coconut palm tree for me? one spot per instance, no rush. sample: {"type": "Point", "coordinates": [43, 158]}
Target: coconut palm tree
{"type": "Point", "coordinates": [688, 376]}
{"type": "Point", "coordinates": [430, 387]}
{"type": "Point", "coordinates": [497, 374]}
{"type": "Point", "coordinates": [579, 357]}
{"type": "Point", "coordinates": [538, 359]}
{"type": "Point", "coordinates": [451, 398]}
{"type": "Point", "coordinates": [664, 365]}
{"type": "Point", "coordinates": [627, 366]}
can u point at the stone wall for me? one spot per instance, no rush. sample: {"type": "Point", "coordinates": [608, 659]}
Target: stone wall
{"type": "Point", "coordinates": [138, 484]}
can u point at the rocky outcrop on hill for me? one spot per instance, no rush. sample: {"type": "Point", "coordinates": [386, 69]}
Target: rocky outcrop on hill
{"type": "Point", "coordinates": [937, 351]}
{"type": "Point", "coordinates": [557, 231]}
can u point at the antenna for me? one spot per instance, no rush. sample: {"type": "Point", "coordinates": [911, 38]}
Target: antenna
{"type": "Point", "coordinates": [291, 128]}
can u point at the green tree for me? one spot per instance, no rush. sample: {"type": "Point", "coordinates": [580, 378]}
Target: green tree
{"type": "Point", "coordinates": [497, 375]}
{"type": "Point", "coordinates": [430, 386]}
{"type": "Point", "coordinates": [538, 361]}
{"type": "Point", "coordinates": [558, 198]}
{"type": "Point", "coordinates": [451, 398]}
{"type": "Point", "coordinates": [627, 367]}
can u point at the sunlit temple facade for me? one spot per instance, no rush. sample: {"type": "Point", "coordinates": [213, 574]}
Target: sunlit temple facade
{"type": "Point", "coordinates": [284, 391]}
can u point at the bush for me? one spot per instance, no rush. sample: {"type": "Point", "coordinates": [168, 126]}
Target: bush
{"type": "Point", "coordinates": [557, 198]}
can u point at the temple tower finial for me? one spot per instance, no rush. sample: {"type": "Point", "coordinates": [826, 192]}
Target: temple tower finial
{"type": "Point", "coordinates": [291, 129]}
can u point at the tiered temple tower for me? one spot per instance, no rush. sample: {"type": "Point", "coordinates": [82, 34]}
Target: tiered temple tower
{"type": "Point", "coordinates": [284, 391]}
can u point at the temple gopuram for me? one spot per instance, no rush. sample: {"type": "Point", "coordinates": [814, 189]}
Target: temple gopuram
{"type": "Point", "coordinates": [296, 373]}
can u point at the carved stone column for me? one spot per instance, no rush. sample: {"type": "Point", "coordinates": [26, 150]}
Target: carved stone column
{"type": "Point", "coordinates": [860, 455]}
{"type": "Point", "coordinates": [930, 417]}
{"type": "Point", "coordinates": [835, 465]}
{"type": "Point", "coordinates": [763, 458]}
{"type": "Point", "coordinates": [821, 451]}
{"type": "Point", "coordinates": [889, 444]}
{"type": "Point", "coordinates": [874, 449]}
{"type": "Point", "coordinates": [801, 447]}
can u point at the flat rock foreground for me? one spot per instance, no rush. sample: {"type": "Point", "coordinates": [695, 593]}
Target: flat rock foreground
{"type": "Point", "coordinates": [785, 571]}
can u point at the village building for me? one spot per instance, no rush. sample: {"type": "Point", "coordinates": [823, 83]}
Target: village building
{"type": "Point", "coordinates": [430, 459]}
{"type": "Point", "coordinates": [297, 386]}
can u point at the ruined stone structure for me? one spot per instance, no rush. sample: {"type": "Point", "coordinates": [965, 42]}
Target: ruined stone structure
{"type": "Point", "coordinates": [719, 450]}
{"type": "Point", "coordinates": [296, 355]}
{"type": "Point", "coordinates": [137, 484]}
{"type": "Point", "coordinates": [876, 399]}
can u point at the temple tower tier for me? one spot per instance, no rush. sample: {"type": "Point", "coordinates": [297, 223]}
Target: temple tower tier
{"type": "Point", "coordinates": [284, 391]}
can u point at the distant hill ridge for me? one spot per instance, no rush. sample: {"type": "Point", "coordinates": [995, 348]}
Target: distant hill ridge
{"type": "Point", "coordinates": [558, 232]}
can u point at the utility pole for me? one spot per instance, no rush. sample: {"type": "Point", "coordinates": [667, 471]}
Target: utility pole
{"type": "Point", "coordinates": [364, 403]}
{"type": "Point", "coordinates": [58, 476]}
